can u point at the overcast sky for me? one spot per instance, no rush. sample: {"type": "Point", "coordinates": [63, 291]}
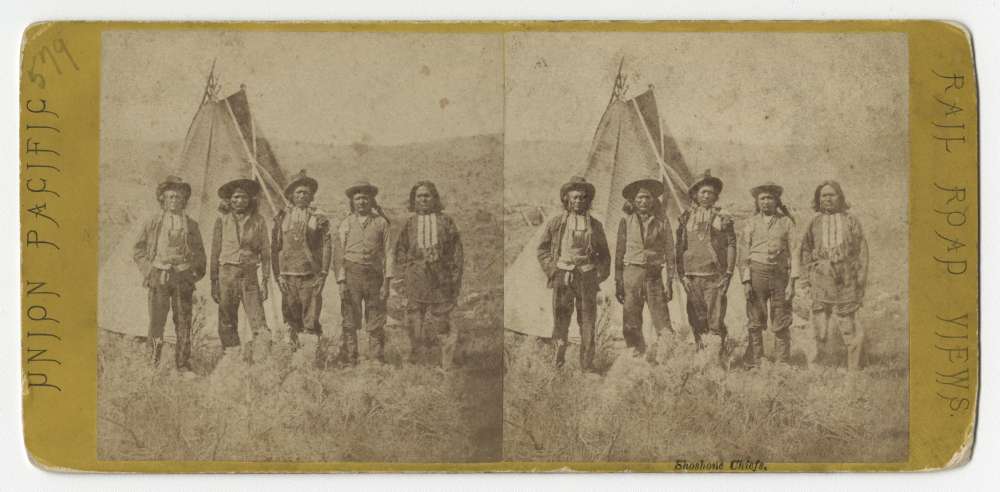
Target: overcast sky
{"type": "Point", "coordinates": [771, 88]}
{"type": "Point", "coordinates": [382, 88]}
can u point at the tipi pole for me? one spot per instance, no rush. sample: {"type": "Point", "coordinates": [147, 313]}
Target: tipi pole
{"type": "Point", "coordinates": [254, 166]}
{"type": "Point", "coordinates": [659, 158]}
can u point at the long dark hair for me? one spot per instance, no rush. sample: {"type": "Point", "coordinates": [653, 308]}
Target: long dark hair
{"type": "Point", "coordinates": [781, 207]}
{"type": "Point", "coordinates": [436, 206]}
{"type": "Point", "coordinates": [842, 204]}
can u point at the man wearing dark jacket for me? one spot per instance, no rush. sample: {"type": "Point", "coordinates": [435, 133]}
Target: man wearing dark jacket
{"type": "Point", "coordinates": [429, 254]}
{"type": "Point", "coordinates": [240, 247]}
{"type": "Point", "coordinates": [574, 255]}
{"type": "Point", "coordinates": [643, 262]}
{"type": "Point", "coordinates": [171, 257]}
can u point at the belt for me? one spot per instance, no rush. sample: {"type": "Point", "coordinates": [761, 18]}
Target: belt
{"type": "Point", "coordinates": [644, 265]}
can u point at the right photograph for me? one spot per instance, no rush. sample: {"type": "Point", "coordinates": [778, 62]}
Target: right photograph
{"type": "Point", "coordinates": [706, 248]}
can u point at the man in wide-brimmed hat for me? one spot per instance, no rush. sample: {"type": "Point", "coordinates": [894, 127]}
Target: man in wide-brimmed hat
{"type": "Point", "coordinates": [240, 246]}
{"type": "Point", "coordinates": [835, 255]}
{"type": "Point", "coordinates": [574, 255]}
{"type": "Point", "coordinates": [429, 255]}
{"type": "Point", "coordinates": [706, 257]}
{"type": "Point", "coordinates": [171, 257]}
{"type": "Point", "coordinates": [768, 270]}
{"type": "Point", "coordinates": [300, 260]}
{"type": "Point", "coordinates": [643, 261]}
{"type": "Point", "coordinates": [363, 269]}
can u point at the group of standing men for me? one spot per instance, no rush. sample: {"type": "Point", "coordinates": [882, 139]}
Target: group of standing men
{"type": "Point", "coordinates": [702, 255]}
{"type": "Point", "coordinates": [300, 250]}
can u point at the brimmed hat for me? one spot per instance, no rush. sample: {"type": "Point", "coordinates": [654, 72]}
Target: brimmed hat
{"type": "Point", "coordinates": [654, 186]}
{"type": "Point", "coordinates": [705, 179]}
{"type": "Point", "coordinates": [250, 186]}
{"type": "Point", "coordinates": [299, 180]}
{"type": "Point", "coordinates": [361, 186]}
{"type": "Point", "coordinates": [174, 183]}
{"type": "Point", "coordinates": [769, 187]}
{"type": "Point", "coordinates": [577, 183]}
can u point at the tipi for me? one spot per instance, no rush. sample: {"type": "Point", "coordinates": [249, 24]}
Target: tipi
{"type": "Point", "coordinates": [223, 143]}
{"type": "Point", "coordinates": [631, 143]}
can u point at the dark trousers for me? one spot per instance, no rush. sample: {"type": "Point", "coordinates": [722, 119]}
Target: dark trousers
{"type": "Point", "coordinates": [575, 290]}
{"type": "Point", "coordinates": [301, 304]}
{"type": "Point", "coordinates": [706, 306]}
{"type": "Point", "coordinates": [643, 286]}
{"type": "Point", "coordinates": [767, 296]}
{"type": "Point", "coordinates": [428, 324]}
{"type": "Point", "coordinates": [238, 283]}
{"type": "Point", "coordinates": [171, 292]}
{"type": "Point", "coordinates": [362, 300]}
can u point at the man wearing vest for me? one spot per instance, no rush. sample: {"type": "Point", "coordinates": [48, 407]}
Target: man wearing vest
{"type": "Point", "coordinates": [706, 257]}
{"type": "Point", "coordinates": [363, 270]}
{"type": "Point", "coordinates": [768, 271]}
{"type": "Point", "coordinates": [240, 247]}
{"type": "Point", "coordinates": [171, 257]}
{"type": "Point", "coordinates": [574, 255]}
{"type": "Point", "coordinates": [643, 262]}
{"type": "Point", "coordinates": [429, 255]}
{"type": "Point", "coordinates": [300, 259]}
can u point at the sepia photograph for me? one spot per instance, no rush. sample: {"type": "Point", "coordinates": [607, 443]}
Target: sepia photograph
{"type": "Point", "coordinates": [705, 248]}
{"type": "Point", "coordinates": [300, 246]}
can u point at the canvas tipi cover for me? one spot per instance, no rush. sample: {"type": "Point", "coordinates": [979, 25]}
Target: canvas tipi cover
{"type": "Point", "coordinates": [223, 143]}
{"type": "Point", "coordinates": [630, 143]}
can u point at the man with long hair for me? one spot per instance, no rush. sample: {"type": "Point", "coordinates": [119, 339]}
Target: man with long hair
{"type": "Point", "coordinates": [706, 257]}
{"type": "Point", "coordinates": [835, 256]}
{"type": "Point", "coordinates": [574, 255]}
{"type": "Point", "coordinates": [363, 266]}
{"type": "Point", "coordinates": [644, 262]}
{"type": "Point", "coordinates": [240, 247]}
{"type": "Point", "coordinates": [300, 260]}
{"type": "Point", "coordinates": [171, 256]}
{"type": "Point", "coordinates": [429, 253]}
{"type": "Point", "coordinates": [768, 271]}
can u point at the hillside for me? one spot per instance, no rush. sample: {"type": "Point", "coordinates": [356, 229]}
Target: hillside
{"type": "Point", "coordinates": [284, 408]}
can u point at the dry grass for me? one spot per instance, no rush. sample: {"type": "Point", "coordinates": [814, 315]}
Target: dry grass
{"type": "Point", "coordinates": [285, 409]}
{"type": "Point", "coordinates": [679, 404]}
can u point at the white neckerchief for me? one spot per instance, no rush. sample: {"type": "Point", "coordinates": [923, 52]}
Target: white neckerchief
{"type": "Point", "coordinates": [427, 231]}
{"type": "Point", "coordinates": [576, 222]}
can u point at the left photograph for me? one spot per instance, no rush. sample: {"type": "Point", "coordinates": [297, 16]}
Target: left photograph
{"type": "Point", "coordinates": [300, 243]}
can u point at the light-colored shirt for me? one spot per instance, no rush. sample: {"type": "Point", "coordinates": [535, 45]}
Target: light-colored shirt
{"type": "Point", "coordinates": [364, 240]}
{"type": "Point", "coordinates": [637, 249]}
{"type": "Point", "coordinates": [243, 240]}
{"type": "Point", "coordinates": [233, 229]}
{"type": "Point", "coordinates": [770, 240]}
{"type": "Point", "coordinates": [574, 243]}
